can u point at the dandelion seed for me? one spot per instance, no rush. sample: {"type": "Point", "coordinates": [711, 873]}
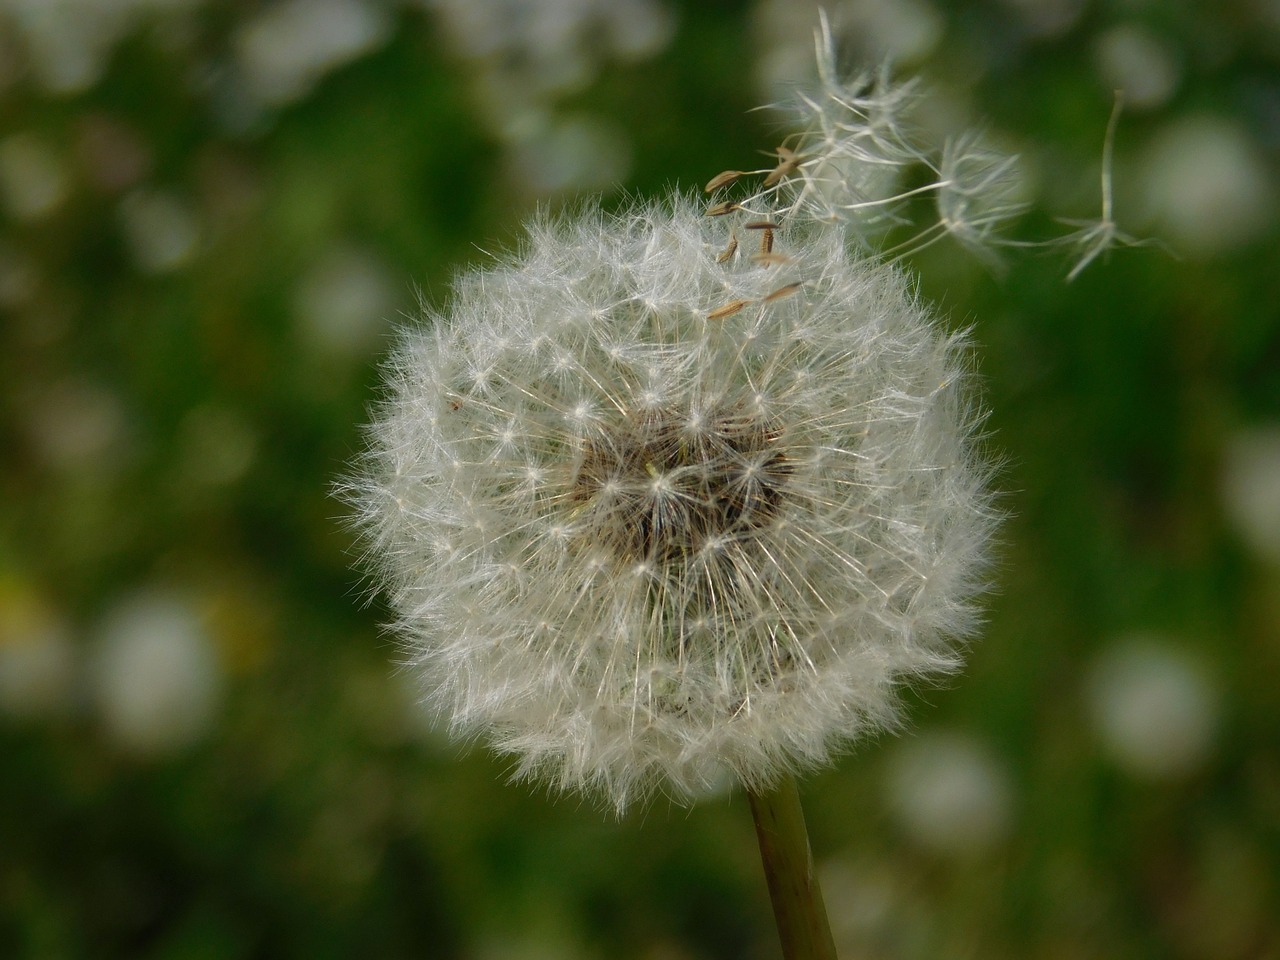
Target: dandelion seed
{"type": "Point", "coordinates": [977, 195]}
{"type": "Point", "coordinates": [720, 209]}
{"type": "Point", "coordinates": [730, 249]}
{"type": "Point", "coordinates": [771, 259]}
{"type": "Point", "coordinates": [850, 154]}
{"type": "Point", "coordinates": [788, 163]}
{"type": "Point", "coordinates": [728, 310]}
{"type": "Point", "coordinates": [781, 292]}
{"type": "Point", "coordinates": [1096, 237]}
{"type": "Point", "coordinates": [722, 180]}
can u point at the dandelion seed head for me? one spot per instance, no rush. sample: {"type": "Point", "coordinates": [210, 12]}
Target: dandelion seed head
{"type": "Point", "coordinates": [642, 543]}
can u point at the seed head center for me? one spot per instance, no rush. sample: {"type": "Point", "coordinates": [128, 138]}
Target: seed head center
{"type": "Point", "coordinates": [662, 485]}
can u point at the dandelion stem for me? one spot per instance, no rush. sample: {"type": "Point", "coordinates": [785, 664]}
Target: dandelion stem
{"type": "Point", "coordinates": [788, 867]}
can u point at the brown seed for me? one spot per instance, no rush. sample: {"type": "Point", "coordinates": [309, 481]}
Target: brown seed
{"type": "Point", "coordinates": [762, 225]}
{"type": "Point", "coordinates": [730, 250]}
{"type": "Point", "coordinates": [772, 259]}
{"type": "Point", "coordinates": [720, 209]}
{"type": "Point", "coordinates": [788, 161]}
{"type": "Point", "coordinates": [728, 310]}
{"type": "Point", "coordinates": [722, 180]}
{"type": "Point", "coordinates": [781, 292]}
{"type": "Point", "coordinates": [766, 242]}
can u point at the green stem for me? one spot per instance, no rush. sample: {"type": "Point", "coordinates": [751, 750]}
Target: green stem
{"type": "Point", "coordinates": [788, 867]}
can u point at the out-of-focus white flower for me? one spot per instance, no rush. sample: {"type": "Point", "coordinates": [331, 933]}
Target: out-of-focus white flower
{"type": "Point", "coordinates": [1251, 488]}
{"type": "Point", "coordinates": [525, 54]}
{"type": "Point", "coordinates": [343, 301]}
{"type": "Point", "coordinates": [950, 793]}
{"type": "Point", "coordinates": [68, 42]}
{"type": "Point", "coordinates": [572, 153]}
{"type": "Point", "coordinates": [650, 510]}
{"type": "Point", "coordinates": [1208, 186]}
{"type": "Point", "coordinates": [285, 48]}
{"type": "Point", "coordinates": [898, 31]}
{"type": "Point", "coordinates": [156, 676]}
{"type": "Point", "coordinates": [1046, 18]}
{"type": "Point", "coordinates": [1134, 61]}
{"type": "Point", "coordinates": [18, 276]}
{"type": "Point", "coordinates": [161, 230]}
{"type": "Point", "coordinates": [33, 178]}
{"type": "Point", "coordinates": [37, 657]}
{"type": "Point", "coordinates": [865, 901]}
{"type": "Point", "coordinates": [538, 47]}
{"type": "Point", "coordinates": [217, 446]}
{"type": "Point", "coordinates": [76, 424]}
{"type": "Point", "coordinates": [1153, 707]}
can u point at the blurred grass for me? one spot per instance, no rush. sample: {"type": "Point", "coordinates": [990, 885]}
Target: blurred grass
{"type": "Point", "coordinates": [319, 818]}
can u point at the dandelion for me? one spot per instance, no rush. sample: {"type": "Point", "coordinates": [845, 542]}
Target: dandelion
{"type": "Point", "coordinates": [648, 519]}
{"type": "Point", "coordinates": [683, 496]}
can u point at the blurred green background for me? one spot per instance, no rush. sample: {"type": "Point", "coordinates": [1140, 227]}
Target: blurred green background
{"type": "Point", "coordinates": [211, 215]}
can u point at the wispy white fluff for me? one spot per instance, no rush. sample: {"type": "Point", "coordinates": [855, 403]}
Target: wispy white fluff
{"type": "Point", "coordinates": [1096, 237]}
{"type": "Point", "coordinates": [854, 159]}
{"type": "Point", "coordinates": [650, 512]}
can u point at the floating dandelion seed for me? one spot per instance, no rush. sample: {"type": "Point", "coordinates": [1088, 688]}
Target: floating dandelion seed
{"type": "Point", "coordinates": [647, 517]}
{"type": "Point", "coordinates": [1096, 237]}
{"type": "Point", "coordinates": [854, 151]}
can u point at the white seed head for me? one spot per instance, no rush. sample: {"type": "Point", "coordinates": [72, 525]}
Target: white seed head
{"type": "Point", "coordinates": [637, 541]}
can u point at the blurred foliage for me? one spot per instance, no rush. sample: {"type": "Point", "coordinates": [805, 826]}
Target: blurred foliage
{"type": "Point", "coordinates": [193, 312]}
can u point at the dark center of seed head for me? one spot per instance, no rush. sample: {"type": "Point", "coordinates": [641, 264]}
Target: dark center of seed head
{"type": "Point", "coordinates": [662, 485]}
